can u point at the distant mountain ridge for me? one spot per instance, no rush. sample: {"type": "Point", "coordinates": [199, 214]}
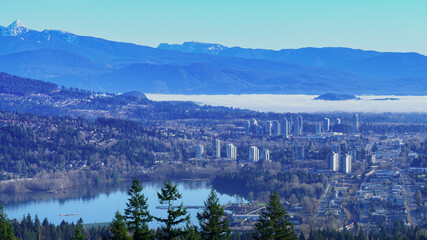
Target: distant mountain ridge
{"type": "Point", "coordinates": [202, 68]}
{"type": "Point", "coordinates": [48, 62]}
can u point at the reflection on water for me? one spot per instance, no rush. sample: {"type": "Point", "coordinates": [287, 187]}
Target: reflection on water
{"type": "Point", "coordinates": [83, 193]}
{"type": "Point", "coordinates": [99, 202]}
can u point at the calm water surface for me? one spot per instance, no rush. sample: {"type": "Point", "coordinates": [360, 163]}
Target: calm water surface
{"type": "Point", "coordinates": [99, 203]}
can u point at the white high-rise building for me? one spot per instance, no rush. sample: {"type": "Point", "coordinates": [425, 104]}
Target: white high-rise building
{"type": "Point", "coordinates": [346, 163]}
{"type": "Point", "coordinates": [216, 151]}
{"type": "Point", "coordinates": [337, 121]}
{"type": "Point", "coordinates": [276, 128]}
{"type": "Point", "coordinates": [373, 159]}
{"type": "Point", "coordinates": [326, 124]}
{"type": "Point", "coordinates": [285, 128]}
{"type": "Point", "coordinates": [253, 154]}
{"type": "Point", "coordinates": [355, 123]}
{"type": "Point", "coordinates": [268, 128]}
{"type": "Point", "coordinates": [247, 127]}
{"type": "Point", "coordinates": [290, 120]}
{"type": "Point", "coordinates": [336, 148]}
{"type": "Point", "coordinates": [231, 152]}
{"type": "Point", "coordinates": [334, 162]}
{"type": "Point", "coordinates": [318, 128]}
{"type": "Point", "coordinates": [299, 125]}
{"type": "Point", "coordinates": [265, 155]}
{"type": "Point", "coordinates": [200, 151]}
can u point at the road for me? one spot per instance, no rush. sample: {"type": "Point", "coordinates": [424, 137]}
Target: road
{"type": "Point", "coordinates": [324, 201]}
{"type": "Point", "coordinates": [410, 202]}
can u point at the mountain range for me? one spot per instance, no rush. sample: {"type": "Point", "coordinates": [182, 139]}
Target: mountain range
{"type": "Point", "coordinates": [202, 68]}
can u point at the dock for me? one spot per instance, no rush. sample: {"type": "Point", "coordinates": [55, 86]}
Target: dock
{"type": "Point", "coordinates": [188, 207]}
{"type": "Point", "coordinates": [69, 214]}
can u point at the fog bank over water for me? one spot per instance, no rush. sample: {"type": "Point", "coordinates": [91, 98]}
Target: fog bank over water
{"type": "Point", "coordinates": [304, 103]}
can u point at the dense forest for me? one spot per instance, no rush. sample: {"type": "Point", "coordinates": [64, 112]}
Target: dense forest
{"type": "Point", "coordinates": [56, 150]}
{"type": "Point", "coordinates": [32, 144]}
{"type": "Point", "coordinates": [32, 229]}
{"type": "Point", "coordinates": [23, 86]}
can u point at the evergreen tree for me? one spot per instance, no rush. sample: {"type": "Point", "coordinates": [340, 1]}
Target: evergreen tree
{"type": "Point", "coordinates": [6, 227]}
{"type": "Point", "coordinates": [136, 213]}
{"type": "Point", "coordinates": [274, 222]}
{"type": "Point", "coordinates": [118, 228]}
{"type": "Point", "coordinates": [212, 222]}
{"type": "Point", "coordinates": [176, 214]}
{"type": "Point", "coordinates": [190, 232]}
{"type": "Point", "coordinates": [78, 233]}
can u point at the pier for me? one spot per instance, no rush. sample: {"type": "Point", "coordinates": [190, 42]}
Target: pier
{"type": "Point", "coordinates": [188, 207]}
{"type": "Point", "coordinates": [69, 214]}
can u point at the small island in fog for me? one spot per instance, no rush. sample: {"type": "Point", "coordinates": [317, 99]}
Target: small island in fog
{"type": "Point", "coordinates": [336, 97]}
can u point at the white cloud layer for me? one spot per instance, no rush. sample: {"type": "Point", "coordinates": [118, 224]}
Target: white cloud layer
{"type": "Point", "coordinates": [303, 103]}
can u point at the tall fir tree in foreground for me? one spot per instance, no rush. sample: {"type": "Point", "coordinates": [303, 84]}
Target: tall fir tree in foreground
{"type": "Point", "coordinates": [136, 213]}
{"type": "Point", "coordinates": [176, 214]}
{"type": "Point", "coordinates": [78, 233]}
{"type": "Point", "coordinates": [190, 232]}
{"type": "Point", "coordinates": [213, 224]}
{"type": "Point", "coordinates": [6, 227]}
{"type": "Point", "coordinates": [118, 228]}
{"type": "Point", "coordinates": [274, 222]}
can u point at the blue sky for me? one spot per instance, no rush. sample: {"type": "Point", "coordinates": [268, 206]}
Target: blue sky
{"type": "Point", "coordinates": [383, 25]}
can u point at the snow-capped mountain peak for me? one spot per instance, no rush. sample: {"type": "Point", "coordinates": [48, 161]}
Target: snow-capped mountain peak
{"type": "Point", "coordinates": [17, 24]}
{"type": "Point", "coordinates": [14, 29]}
{"type": "Point", "coordinates": [199, 47]}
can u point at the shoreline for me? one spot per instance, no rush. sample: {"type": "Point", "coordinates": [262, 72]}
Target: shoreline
{"type": "Point", "coordinates": [21, 188]}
